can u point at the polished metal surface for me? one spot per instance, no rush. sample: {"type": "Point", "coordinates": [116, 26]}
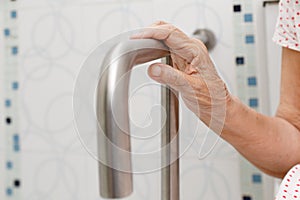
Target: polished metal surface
{"type": "Point", "coordinates": [112, 101]}
{"type": "Point", "coordinates": [207, 37]}
{"type": "Point", "coordinates": [170, 179]}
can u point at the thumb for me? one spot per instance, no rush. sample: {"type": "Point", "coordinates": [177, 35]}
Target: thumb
{"type": "Point", "coordinates": [168, 75]}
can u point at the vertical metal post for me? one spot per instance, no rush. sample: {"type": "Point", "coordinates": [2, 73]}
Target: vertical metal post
{"type": "Point", "coordinates": [170, 183]}
{"type": "Point", "coordinates": [116, 173]}
{"type": "Point", "coordinates": [115, 168]}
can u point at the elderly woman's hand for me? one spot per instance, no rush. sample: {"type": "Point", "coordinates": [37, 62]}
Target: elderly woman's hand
{"type": "Point", "coordinates": [193, 74]}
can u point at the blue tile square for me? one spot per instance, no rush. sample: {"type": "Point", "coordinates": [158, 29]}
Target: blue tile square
{"type": "Point", "coordinates": [256, 178]}
{"type": "Point", "coordinates": [9, 165]}
{"type": "Point", "coordinates": [252, 81]}
{"type": "Point", "coordinates": [15, 85]}
{"type": "Point", "coordinates": [13, 14]}
{"type": "Point", "coordinates": [16, 138]}
{"type": "Point", "coordinates": [17, 148]}
{"type": "Point", "coordinates": [14, 50]}
{"type": "Point", "coordinates": [249, 39]}
{"type": "Point", "coordinates": [6, 32]}
{"type": "Point", "coordinates": [248, 17]}
{"type": "Point", "coordinates": [253, 102]}
{"type": "Point", "coordinates": [239, 60]}
{"type": "Point", "coordinates": [7, 103]}
{"type": "Point", "coordinates": [9, 192]}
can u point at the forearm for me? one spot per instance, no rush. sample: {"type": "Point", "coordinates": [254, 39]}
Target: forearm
{"type": "Point", "coordinates": [270, 143]}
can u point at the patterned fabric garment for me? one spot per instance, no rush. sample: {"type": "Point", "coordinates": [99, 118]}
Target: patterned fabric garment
{"type": "Point", "coordinates": [287, 33]}
{"type": "Point", "coordinates": [290, 186]}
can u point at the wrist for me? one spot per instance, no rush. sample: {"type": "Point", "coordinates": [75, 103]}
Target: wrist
{"type": "Point", "coordinates": [233, 110]}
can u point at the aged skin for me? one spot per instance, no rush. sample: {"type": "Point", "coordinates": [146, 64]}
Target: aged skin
{"type": "Point", "coordinates": [270, 143]}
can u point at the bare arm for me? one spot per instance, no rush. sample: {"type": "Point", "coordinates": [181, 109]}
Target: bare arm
{"type": "Point", "coordinates": [270, 143]}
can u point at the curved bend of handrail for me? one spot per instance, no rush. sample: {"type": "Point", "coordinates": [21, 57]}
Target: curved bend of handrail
{"type": "Point", "coordinates": [112, 113]}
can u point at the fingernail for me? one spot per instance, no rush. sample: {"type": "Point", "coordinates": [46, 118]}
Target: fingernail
{"type": "Point", "coordinates": [156, 70]}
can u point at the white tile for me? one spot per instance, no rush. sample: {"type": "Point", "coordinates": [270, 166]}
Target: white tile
{"type": "Point", "coordinates": [209, 180]}
{"type": "Point", "coordinates": [54, 176]}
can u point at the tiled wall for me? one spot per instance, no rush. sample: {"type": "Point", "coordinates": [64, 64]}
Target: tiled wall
{"type": "Point", "coordinates": [54, 37]}
{"type": "Point", "coordinates": [245, 41]}
{"type": "Point", "coordinates": [10, 113]}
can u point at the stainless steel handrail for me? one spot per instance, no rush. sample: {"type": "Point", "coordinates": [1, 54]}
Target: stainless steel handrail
{"type": "Point", "coordinates": [116, 182]}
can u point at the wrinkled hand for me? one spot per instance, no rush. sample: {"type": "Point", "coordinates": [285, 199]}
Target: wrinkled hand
{"type": "Point", "coordinates": [193, 74]}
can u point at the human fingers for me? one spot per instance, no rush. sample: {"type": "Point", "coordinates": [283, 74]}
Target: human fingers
{"type": "Point", "coordinates": [161, 32]}
{"type": "Point", "coordinates": [180, 45]}
{"type": "Point", "coordinates": [170, 76]}
{"type": "Point", "coordinates": [149, 32]}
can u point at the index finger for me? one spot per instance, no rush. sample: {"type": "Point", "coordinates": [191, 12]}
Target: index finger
{"type": "Point", "coordinates": [158, 32]}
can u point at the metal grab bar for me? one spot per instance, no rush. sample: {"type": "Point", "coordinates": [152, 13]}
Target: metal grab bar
{"type": "Point", "coordinates": [116, 182]}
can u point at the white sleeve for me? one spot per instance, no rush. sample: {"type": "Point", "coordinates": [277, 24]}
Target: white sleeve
{"type": "Point", "coordinates": [287, 32]}
{"type": "Point", "coordinates": [290, 186]}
